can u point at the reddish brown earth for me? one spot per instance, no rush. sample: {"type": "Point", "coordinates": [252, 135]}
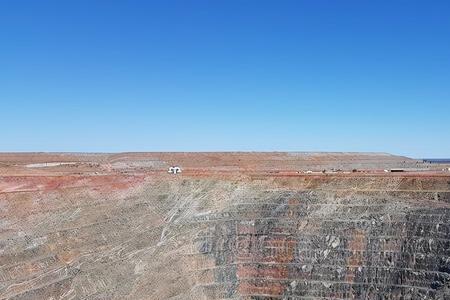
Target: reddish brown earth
{"type": "Point", "coordinates": [230, 226]}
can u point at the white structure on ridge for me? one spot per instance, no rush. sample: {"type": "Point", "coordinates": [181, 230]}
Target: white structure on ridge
{"type": "Point", "coordinates": [174, 170]}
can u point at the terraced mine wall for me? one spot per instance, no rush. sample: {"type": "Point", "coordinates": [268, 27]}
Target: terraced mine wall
{"type": "Point", "coordinates": [225, 237]}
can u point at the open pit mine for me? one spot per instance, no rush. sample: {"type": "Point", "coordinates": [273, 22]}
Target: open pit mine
{"type": "Point", "coordinates": [223, 226]}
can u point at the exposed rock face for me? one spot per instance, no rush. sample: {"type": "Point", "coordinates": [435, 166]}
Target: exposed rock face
{"type": "Point", "coordinates": [94, 232]}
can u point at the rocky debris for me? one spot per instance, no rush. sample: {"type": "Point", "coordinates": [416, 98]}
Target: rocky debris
{"type": "Point", "coordinates": [159, 236]}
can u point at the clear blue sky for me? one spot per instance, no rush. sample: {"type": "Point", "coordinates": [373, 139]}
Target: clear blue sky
{"type": "Point", "coordinates": [225, 75]}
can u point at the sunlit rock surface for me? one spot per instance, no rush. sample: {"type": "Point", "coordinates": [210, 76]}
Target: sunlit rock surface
{"type": "Point", "coordinates": [229, 226]}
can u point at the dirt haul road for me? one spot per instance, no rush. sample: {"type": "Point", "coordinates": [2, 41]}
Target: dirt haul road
{"type": "Point", "coordinates": [229, 226]}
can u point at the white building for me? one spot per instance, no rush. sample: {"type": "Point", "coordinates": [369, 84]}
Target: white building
{"type": "Point", "coordinates": [174, 170]}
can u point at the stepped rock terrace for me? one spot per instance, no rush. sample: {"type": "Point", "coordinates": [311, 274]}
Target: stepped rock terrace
{"type": "Point", "coordinates": [229, 226]}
